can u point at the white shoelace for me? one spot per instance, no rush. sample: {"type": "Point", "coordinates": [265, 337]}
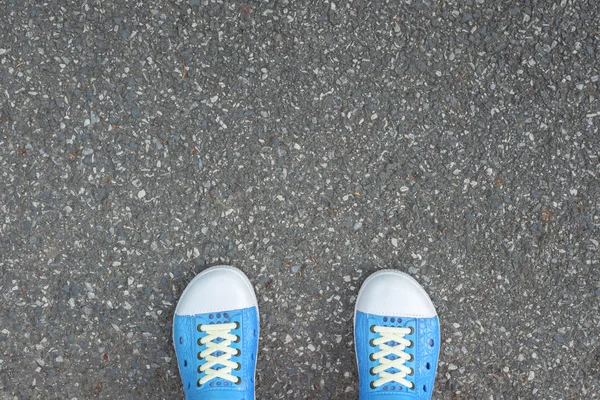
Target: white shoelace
{"type": "Point", "coordinates": [214, 332]}
{"type": "Point", "coordinates": [390, 334]}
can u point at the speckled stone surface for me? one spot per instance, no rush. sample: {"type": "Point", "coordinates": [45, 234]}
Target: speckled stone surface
{"type": "Point", "coordinates": [308, 143]}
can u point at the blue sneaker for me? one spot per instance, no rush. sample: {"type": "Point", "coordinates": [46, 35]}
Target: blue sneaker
{"type": "Point", "coordinates": [397, 338]}
{"type": "Point", "coordinates": [215, 331]}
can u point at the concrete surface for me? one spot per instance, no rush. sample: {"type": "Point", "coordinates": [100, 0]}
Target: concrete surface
{"type": "Point", "coordinates": [309, 143]}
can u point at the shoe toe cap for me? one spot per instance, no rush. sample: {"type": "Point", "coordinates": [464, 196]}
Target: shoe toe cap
{"type": "Point", "coordinates": [394, 293]}
{"type": "Point", "coordinates": [216, 289]}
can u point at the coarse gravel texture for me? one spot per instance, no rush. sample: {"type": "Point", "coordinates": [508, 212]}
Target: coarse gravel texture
{"type": "Point", "coordinates": [308, 143]}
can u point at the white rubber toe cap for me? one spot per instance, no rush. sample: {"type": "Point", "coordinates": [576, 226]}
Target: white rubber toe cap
{"type": "Point", "coordinates": [394, 293]}
{"type": "Point", "coordinates": [216, 289]}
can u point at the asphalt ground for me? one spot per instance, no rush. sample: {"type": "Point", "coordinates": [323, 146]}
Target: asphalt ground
{"type": "Point", "coordinates": [308, 143]}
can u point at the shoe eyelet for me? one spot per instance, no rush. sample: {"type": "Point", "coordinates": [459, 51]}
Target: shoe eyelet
{"type": "Point", "coordinates": [372, 342]}
{"type": "Point", "coordinates": [411, 345]}
{"type": "Point", "coordinates": [371, 372]}
{"type": "Point", "coordinates": [198, 383]}
{"type": "Point", "coordinates": [412, 330]}
{"type": "Point", "coordinates": [412, 358]}
{"type": "Point", "coordinates": [199, 356]}
{"type": "Point", "coordinates": [372, 329]}
{"type": "Point", "coordinates": [237, 325]}
{"type": "Point", "coordinates": [372, 357]}
{"type": "Point", "coordinates": [412, 372]}
{"type": "Point", "coordinates": [200, 342]}
{"type": "Point", "coordinates": [239, 366]}
{"type": "Point", "coordinates": [373, 385]}
{"type": "Point", "coordinates": [239, 381]}
{"type": "Point", "coordinates": [237, 339]}
{"type": "Point", "coordinates": [199, 327]}
{"type": "Point", "coordinates": [199, 369]}
{"type": "Point", "coordinates": [239, 353]}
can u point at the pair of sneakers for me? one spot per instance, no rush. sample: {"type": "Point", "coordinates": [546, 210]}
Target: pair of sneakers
{"type": "Point", "coordinates": [216, 330]}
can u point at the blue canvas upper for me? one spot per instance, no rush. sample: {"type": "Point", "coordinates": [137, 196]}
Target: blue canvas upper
{"type": "Point", "coordinates": [186, 338]}
{"type": "Point", "coordinates": [426, 339]}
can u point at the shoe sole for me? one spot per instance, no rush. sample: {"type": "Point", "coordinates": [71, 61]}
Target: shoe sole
{"type": "Point", "coordinates": [216, 268]}
{"type": "Point", "coordinates": [375, 274]}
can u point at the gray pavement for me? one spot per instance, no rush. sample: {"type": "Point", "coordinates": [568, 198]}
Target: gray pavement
{"type": "Point", "coordinates": [309, 144]}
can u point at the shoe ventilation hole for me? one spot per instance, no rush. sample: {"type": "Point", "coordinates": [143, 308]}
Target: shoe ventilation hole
{"type": "Point", "coordinates": [219, 315]}
{"type": "Point", "coordinates": [424, 388]}
{"type": "Point", "coordinates": [430, 342]}
{"type": "Point", "coordinates": [392, 387]}
{"type": "Point", "coordinates": [392, 320]}
{"type": "Point", "coordinates": [428, 366]}
{"type": "Point", "coordinates": [211, 316]}
{"type": "Point", "coordinates": [384, 319]}
{"type": "Point", "coordinates": [180, 340]}
{"type": "Point", "coordinates": [185, 363]}
{"type": "Point", "coordinates": [385, 388]}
